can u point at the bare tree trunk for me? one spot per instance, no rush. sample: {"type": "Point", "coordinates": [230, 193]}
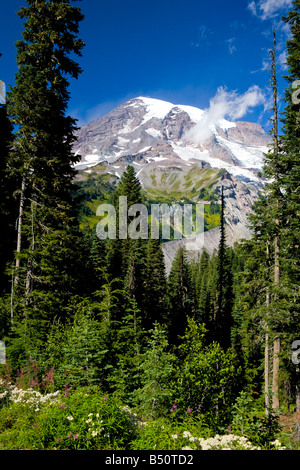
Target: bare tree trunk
{"type": "Point", "coordinates": [267, 397]}
{"type": "Point", "coordinates": [19, 232]}
{"type": "Point", "coordinates": [267, 367]}
{"type": "Point", "coordinates": [275, 403]}
{"type": "Point", "coordinates": [29, 274]}
{"type": "Point", "coordinates": [275, 385]}
{"type": "Point", "coordinates": [15, 280]}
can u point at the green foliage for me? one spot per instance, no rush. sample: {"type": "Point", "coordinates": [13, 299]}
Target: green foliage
{"type": "Point", "coordinates": [156, 376]}
{"type": "Point", "coordinates": [80, 420]}
{"type": "Point", "coordinates": [248, 421]}
{"type": "Point", "coordinates": [180, 296]}
{"type": "Point", "coordinates": [207, 377]}
{"type": "Point", "coordinates": [126, 343]}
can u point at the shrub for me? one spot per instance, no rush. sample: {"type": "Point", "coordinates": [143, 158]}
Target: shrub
{"type": "Point", "coordinates": [247, 421]}
{"type": "Point", "coordinates": [84, 419]}
{"type": "Point", "coordinates": [163, 435]}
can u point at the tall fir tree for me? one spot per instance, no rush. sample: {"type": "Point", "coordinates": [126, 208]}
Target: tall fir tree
{"type": "Point", "coordinates": [7, 188]}
{"type": "Point", "coordinates": [41, 161]}
{"type": "Point", "coordinates": [126, 255]}
{"type": "Point", "coordinates": [180, 296]}
{"type": "Point", "coordinates": [271, 268]}
{"type": "Point", "coordinates": [290, 176]}
{"type": "Point", "coordinates": [154, 304]}
{"type": "Point", "coordinates": [224, 297]}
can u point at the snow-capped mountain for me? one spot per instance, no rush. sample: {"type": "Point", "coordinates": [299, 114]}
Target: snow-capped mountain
{"type": "Point", "coordinates": [160, 132]}
{"type": "Point", "coordinates": [163, 142]}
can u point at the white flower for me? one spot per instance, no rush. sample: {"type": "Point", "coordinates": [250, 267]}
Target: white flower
{"type": "Point", "coordinates": [94, 433]}
{"type": "Point", "coordinates": [88, 420]}
{"type": "Point", "coordinates": [175, 436]}
{"type": "Point", "coordinates": [187, 434]}
{"type": "Point", "coordinates": [278, 445]}
{"type": "Point", "coordinates": [70, 418]}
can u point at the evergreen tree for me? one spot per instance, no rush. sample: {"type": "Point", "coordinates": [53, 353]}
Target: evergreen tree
{"type": "Point", "coordinates": [126, 255]}
{"type": "Point", "coordinates": [271, 268]}
{"type": "Point", "coordinates": [7, 201]}
{"type": "Point", "coordinates": [120, 249]}
{"type": "Point", "coordinates": [157, 370]}
{"type": "Point", "coordinates": [155, 286]}
{"type": "Point", "coordinates": [224, 298]}
{"type": "Point", "coordinates": [41, 161]}
{"type": "Point", "coordinates": [180, 296]}
{"type": "Point", "coordinates": [290, 174]}
{"type": "Point", "coordinates": [201, 286]}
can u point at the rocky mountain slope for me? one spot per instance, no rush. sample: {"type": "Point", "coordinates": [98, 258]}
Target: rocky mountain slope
{"type": "Point", "coordinates": [161, 141]}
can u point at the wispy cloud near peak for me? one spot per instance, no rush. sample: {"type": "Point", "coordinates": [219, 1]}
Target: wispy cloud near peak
{"type": "Point", "coordinates": [225, 104]}
{"type": "Point", "coordinates": [266, 9]}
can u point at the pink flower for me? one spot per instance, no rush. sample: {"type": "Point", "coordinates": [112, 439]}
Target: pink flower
{"type": "Point", "coordinates": [174, 407]}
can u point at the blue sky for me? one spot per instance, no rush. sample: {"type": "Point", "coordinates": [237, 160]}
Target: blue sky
{"type": "Point", "coordinates": [184, 51]}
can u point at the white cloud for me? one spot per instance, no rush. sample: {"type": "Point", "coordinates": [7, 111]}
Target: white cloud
{"type": "Point", "coordinates": [231, 46]}
{"type": "Point", "coordinates": [252, 8]}
{"type": "Point", "coordinates": [282, 60]}
{"type": "Point", "coordinates": [225, 104]}
{"type": "Point", "coordinates": [267, 9]}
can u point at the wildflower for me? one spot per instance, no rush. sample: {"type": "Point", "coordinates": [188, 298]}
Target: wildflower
{"type": "Point", "coordinates": [174, 407]}
{"type": "Point", "coordinates": [104, 398]}
{"type": "Point", "coordinates": [187, 434]}
{"type": "Point", "coordinates": [189, 410]}
{"type": "Point", "coordinates": [174, 436]}
{"type": "Point", "coordinates": [70, 418]}
{"type": "Point", "coordinates": [89, 420]}
{"type": "Point", "coordinates": [97, 415]}
{"type": "Point", "coordinates": [278, 445]}
{"type": "Point", "coordinates": [94, 433]}
{"type": "Point", "coordinates": [75, 436]}
{"type": "Point", "coordinates": [62, 405]}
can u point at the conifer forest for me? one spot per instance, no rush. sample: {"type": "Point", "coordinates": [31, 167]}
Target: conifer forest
{"type": "Point", "coordinates": [103, 349]}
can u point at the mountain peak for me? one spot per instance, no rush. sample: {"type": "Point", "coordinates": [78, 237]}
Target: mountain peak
{"type": "Point", "coordinates": [165, 133]}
